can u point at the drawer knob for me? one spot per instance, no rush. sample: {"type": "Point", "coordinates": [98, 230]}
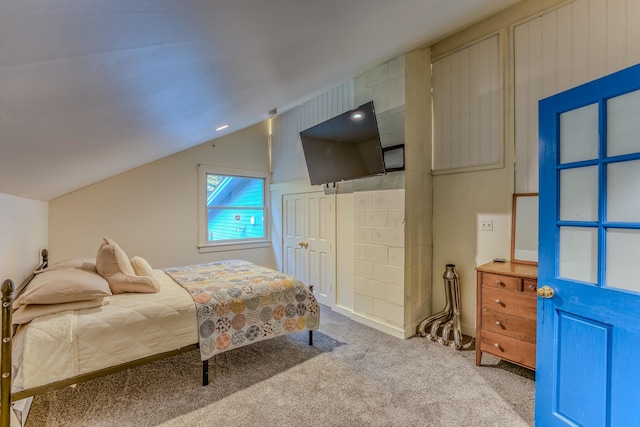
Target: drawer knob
{"type": "Point", "coordinates": [498, 323]}
{"type": "Point", "coordinates": [498, 282]}
{"type": "Point", "coordinates": [496, 345]}
{"type": "Point", "coordinates": [498, 302]}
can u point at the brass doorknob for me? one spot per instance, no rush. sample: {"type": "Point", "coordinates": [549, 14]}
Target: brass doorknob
{"type": "Point", "coordinates": [545, 292]}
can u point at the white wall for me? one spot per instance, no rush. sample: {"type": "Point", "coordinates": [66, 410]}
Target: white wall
{"type": "Point", "coordinates": [288, 158]}
{"type": "Point", "coordinates": [468, 108]}
{"type": "Point", "coordinates": [563, 48]}
{"type": "Point", "coordinates": [471, 181]}
{"type": "Point", "coordinates": [344, 253]}
{"type": "Point", "coordinates": [152, 211]}
{"type": "Point", "coordinates": [23, 235]}
{"type": "Point", "coordinates": [460, 202]}
{"type": "Point", "coordinates": [551, 45]}
{"type": "Point", "coordinates": [419, 189]}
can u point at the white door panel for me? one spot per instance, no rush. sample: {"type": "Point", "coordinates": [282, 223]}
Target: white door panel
{"type": "Point", "coordinates": [309, 224]}
{"type": "Point", "coordinates": [293, 226]}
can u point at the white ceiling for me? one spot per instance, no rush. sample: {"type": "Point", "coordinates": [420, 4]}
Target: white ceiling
{"type": "Point", "coordinates": [89, 89]}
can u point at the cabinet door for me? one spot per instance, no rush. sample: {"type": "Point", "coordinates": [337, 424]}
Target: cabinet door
{"type": "Point", "coordinates": [309, 242]}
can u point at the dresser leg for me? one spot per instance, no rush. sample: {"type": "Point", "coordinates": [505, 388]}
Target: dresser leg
{"type": "Point", "coordinates": [478, 356]}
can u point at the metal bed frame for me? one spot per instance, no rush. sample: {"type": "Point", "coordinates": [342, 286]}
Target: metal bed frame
{"type": "Point", "coordinates": [9, 290]}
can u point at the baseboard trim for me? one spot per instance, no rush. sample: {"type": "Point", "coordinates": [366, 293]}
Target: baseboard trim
{"type": "Point", "coordinates": [342, 310]}
{"type": "Point", "coordinates": [394, 331]}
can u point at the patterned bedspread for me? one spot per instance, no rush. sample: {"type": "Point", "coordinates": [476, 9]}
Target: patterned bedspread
{"type": "Point", "coordinates": [239, 303]}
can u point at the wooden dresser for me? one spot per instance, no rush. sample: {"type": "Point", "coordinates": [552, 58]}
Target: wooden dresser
{"type": "Point", "coordinates": [506, 312]}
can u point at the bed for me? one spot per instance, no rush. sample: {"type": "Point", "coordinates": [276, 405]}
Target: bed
{"type": "Point", "coordinates": [141, 316]}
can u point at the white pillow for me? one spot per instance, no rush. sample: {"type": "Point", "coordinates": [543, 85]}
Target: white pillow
{"type": "Point", "coordinates": [88, 264]}
{"type": "Point", "coordinates": [141, 266]}
{"type": "Point", "coordinates": [62, 286]}
{"type": "Point", "coordinates": [113, 264]}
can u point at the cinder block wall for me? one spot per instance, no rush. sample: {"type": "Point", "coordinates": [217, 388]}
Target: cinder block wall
{"type": "Point", "coordinates": [392, 213]}
{"type": "Point", "coordinates": [378, 266]}
{"type": "Point", "coordinates": [378, 206]}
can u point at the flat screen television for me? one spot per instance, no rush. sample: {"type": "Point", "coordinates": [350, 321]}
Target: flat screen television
{"type": "Point", "coordinates": [344, 147]}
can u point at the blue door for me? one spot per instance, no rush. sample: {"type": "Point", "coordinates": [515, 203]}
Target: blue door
{"type": "Point", "coordinates": [588, 331]}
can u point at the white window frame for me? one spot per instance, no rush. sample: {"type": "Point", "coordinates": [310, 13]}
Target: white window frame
{"type": "Point", "coordinates": [204, 245]}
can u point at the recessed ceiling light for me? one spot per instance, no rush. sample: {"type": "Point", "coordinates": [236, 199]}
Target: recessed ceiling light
{"type": "Point", "coordinates": [219, 128]}
{"type": "Point", "coordinates": [357, 115]}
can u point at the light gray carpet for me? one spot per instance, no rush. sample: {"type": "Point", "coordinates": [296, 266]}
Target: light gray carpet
{"type": "Point", "coordinates": [352, 376]}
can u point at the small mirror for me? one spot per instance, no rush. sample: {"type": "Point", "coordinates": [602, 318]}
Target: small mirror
{"type": "Point", "coordinates": [524, 228]}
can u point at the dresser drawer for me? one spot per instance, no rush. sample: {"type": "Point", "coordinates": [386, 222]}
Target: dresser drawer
{"type": "Point", "coordinates": [520, 352]}
{"type": "Point", "coordinates": [522, 304]}
{"type": "Point", "coordinates": [501, 282]}
{"type": "Point", "coordinates": [511, 326]}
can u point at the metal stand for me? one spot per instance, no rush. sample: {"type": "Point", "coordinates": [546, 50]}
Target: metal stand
{"type": "Point", "coordinates": [449, 317]}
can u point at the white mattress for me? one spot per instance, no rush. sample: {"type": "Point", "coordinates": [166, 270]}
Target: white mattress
{"type": "Point", "coordinates": [130, 327]}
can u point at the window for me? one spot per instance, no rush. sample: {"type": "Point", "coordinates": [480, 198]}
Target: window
{"type": "Point", "coordinates": [234, 207]}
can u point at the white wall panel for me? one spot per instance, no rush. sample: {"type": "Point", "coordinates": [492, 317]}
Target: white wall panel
{"type": "Point", "coordinates": [288, 157]}
{"type": "Point", "coordinates": [561, 49]}
{"type": "Point", "coordinates": [633, 33]}
{"type": "Point", "coordinates": [24, 233]}
{"type": "Point", "coordinates": [467, 108]}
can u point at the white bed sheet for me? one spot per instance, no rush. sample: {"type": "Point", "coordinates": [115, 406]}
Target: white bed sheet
{"type": "Point", "coordinates": [130, 327]}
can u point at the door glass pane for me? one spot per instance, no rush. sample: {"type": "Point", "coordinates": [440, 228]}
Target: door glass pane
{"type": "Point", "coordinates": [623, 191]}
{"type": "Point", "coordinates": [579, 194]}
{"type": "Point", "coordinates": [579, 254]}
{"type": "Point", "coordinates": [623, 268]}
{"type": "Point", "coordinates": [579, 134]}
{"type": "Point", "coordinates": [623, 126]}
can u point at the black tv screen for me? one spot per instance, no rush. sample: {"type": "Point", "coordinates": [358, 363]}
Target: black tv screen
{"type": "Point", "coordinates": [344, 147]}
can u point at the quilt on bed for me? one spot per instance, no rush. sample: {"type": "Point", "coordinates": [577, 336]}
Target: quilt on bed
{"type": "Point", "coordinates": [239, 303]}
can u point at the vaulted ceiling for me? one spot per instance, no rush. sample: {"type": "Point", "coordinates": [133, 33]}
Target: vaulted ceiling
{"type": "Point", "coordinates": [89, 88]}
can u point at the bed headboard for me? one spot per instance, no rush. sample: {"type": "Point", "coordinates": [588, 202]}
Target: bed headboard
{"type": "Point", "coordinates": [8, 290]}
{"type": "Point", "coordinates": [25, 282]}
